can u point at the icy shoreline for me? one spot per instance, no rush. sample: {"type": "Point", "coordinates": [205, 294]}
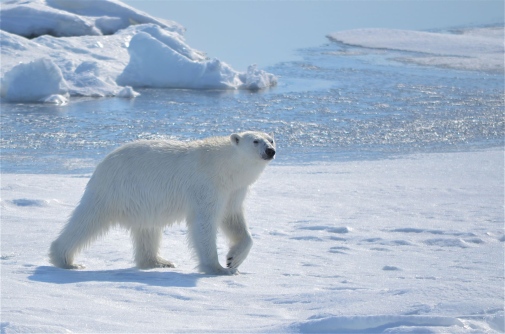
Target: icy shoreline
{"type": "Point", "coordinates": [411, 244]}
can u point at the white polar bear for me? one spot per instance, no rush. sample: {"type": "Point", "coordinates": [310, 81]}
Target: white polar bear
{"type": "Point", "coordinates": [149, 184]}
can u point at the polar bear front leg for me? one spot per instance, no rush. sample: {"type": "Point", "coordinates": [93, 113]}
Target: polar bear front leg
{"type": "Point", "coordinates": [202, 229]}
{"type": "Point", "coordinates": [235, 228]}
{"type": "Point", "coordinates": [146, 244]}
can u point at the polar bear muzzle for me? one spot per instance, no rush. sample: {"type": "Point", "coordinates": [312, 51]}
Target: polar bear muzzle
{"type": "Point", "coordinates": [269, 154]}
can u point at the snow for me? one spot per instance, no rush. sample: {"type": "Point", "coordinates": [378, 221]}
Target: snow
{"type": "Point", "coordinates": [470, 49]}
{"type": "Point", "coordinates": [414, 244]}
{"type": "Point", "coordinates": [101, 47]}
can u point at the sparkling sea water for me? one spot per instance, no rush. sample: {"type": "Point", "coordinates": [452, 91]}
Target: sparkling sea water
{"type": "Point", "coordinates": [339, 102]}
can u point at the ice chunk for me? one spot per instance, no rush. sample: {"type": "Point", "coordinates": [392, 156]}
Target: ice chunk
{"type": "Point", "coordinates": [56, 99]}
{"type": "Point", "coordinates": [256, 79]}
{"type": "Point", "coordinates": [128, 93]}
{"type": "Point", "coordinates": [34, 81]}
{"type": "Point", "coordinates": [154, 63]}
{"type": "Point", "coordinates": [173, 41]}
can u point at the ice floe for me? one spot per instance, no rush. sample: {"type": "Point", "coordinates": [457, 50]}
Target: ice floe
{"type": "Point", "coordinates": [98, 48]}
{"type": "Point", "coordinates": [470, 49]}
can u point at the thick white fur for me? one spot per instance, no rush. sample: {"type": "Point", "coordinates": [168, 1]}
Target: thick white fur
{"type": "Point", "coordinates": [146, 185]}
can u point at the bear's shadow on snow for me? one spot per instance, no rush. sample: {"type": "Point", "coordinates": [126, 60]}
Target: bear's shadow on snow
{"type": "Point", "coordinates": [48, 274]}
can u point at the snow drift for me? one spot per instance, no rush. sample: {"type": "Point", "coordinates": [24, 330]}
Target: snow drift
{"type": "Point", "coordinates": [100, 49]}
{"type": "Point", "coordinates": [470, 49]}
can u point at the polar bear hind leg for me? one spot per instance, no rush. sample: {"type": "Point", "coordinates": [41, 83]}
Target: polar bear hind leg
{"type": "Point", "coordinates": [86, 224]}
{"type": "Point", "coordinates": [146, 244]}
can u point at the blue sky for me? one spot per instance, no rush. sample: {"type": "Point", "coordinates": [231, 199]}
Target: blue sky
{"type": "Point", "coordinates": [266, 32]}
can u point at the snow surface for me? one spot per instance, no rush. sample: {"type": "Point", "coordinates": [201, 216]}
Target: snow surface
{"type": "Point", "coordinates": [414, 244]}
{"type": "Point", "coordinates": [74, 18]}
{"type": "Point", "coordinates": [470, 49]}
{"type": "Point", "coordinates": [100, 48]}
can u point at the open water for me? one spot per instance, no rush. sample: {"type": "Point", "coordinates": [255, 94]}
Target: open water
{"type": "Point", "coordinates": [339, 102]}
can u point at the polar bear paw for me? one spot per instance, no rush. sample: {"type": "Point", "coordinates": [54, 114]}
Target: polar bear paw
{"type": "Point", "coordinates": [219, 271]}
{"type": "Point", "coordinates": [162, 263]}
{"type": "Point", "coordinates": [233, 262]}
{"type": "Point", "coordinates": [238, 253]}
{"type": "Point", "coordinates": [73, 266]}
{"type": "Point", "coordinates": [157, 263]}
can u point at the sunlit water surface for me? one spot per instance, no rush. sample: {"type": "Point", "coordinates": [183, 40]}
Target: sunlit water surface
{"type": "Point", "coordinates": [338, 103]}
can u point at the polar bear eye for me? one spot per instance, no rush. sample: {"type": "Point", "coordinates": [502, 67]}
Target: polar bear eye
{"type": "Point", "coordinates": [256, 142]}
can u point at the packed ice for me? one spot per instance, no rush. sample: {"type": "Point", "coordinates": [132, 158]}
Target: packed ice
{"type": "Point", "coordinates": [99, 48]}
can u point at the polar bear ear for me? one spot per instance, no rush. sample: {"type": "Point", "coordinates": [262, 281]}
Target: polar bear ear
{"type": "Point", "coordinates": [235, 138]}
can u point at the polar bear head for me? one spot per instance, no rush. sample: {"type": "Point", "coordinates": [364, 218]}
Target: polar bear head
{"type": "Point", "coordinates": [257, 145]}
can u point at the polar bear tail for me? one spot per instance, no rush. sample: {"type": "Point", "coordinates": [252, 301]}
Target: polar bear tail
{"type": "Point", "coordinates": [85, 225]}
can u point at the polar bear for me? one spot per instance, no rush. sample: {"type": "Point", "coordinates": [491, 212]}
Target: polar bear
{"type": "Point", "coordinates": [146, 185]}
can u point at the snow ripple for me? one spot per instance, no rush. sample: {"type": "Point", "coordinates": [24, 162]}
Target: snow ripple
{"type": "Point", "coordinates": [375, 324]}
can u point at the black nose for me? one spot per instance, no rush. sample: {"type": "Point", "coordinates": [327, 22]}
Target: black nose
{"type": "Point", "coordinates": [270, 152]}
